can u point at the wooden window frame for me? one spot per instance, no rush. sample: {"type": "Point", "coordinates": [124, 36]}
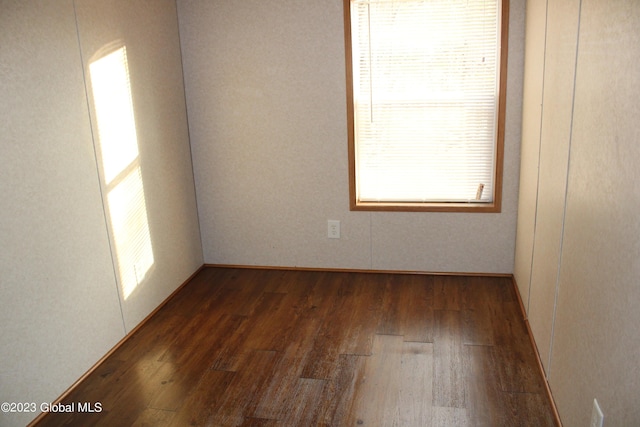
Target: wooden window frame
{"type": "Point", "coordinates": [493, 207]}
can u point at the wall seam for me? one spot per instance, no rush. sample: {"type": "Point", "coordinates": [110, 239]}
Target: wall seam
{"type": "Point", "coordinates": [535, 215]}
{"type": "Point", "coordinates": [97, 168]}
{"type": "Point", "coordinates": [186, 112]}
{"type": "Point", "coordinates": [566, 191]}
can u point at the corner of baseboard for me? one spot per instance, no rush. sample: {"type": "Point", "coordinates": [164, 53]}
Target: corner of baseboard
{"type": "Point", "coordinates": [523, 312]}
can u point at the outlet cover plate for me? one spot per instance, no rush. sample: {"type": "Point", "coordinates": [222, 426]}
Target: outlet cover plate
{"type": "Point", "coordinates": [333, 229]}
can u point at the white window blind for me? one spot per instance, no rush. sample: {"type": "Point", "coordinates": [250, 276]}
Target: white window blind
{"type": "Point", "coordinates": [425, 92]}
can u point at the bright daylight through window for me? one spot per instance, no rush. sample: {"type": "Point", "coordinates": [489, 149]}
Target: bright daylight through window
{"type": "Point", "coordinates": [121, 170]}
{"type": "Point", "coordinates": [426, 83]}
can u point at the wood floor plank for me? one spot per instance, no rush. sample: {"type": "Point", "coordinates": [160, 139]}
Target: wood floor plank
{"type": "Point", "coordinates": [486, 405]}
{"type": "Point", "coordinates": [365, 308]}
{"type": "Point", "coordinates": [490, 406]}
{"type": "Point", "coordinates": [516, 362]}
{"type": "Point", "coordinates": [447, 417]}
{"type": "Point", "coordinates": [244, 390]}
{"type": "Point", "coordinates": [516, 369]}
{"type": "Point", "coordinates": [348, 324]}
{"type": "Point", "coordinates": [396, 385]}
{"type": "Point", "coordinates": [528, 409]}
{"type": "Point", "coordinates": [339, 390]}
{"type": "Point", "coordinates": [125, 407]}
{"type": "Point", "coordinates": [200, 405]}
{"type": "Point", "coordinates": [448, 360]}
{"type": "Point", "coordinates": [125, 388]}
{"type": "Point", "coordinates": [191, 366]}
{"type": "Point", "coordinates": [151, 417]}
{"type": "Point", "coordinates": [407, 307]}
{"type": "Point", "coordinates": [152, 341]}
{"type": "Point", "coordinates": [236, 348]}
{"type": "Point", "coordinates": [303, 409]}
{"type": "Point", "coordinates": [249, 286]}
{"type": "Point", "coordinates": [194, 328]}
{"type": "Point", "coordinates": [376, 394]}
{"type": "Point", "coordinates": [203, 287]}
{"type": "Point", "coordinates": [249, 347]}
{"type": "Point", "coordinates": [276, 322]}
{"type": "Point", "coordinates": [276, 281]}
{"type": "Point", "coordinates": [416, 384]}
{"type": "Point", "coordinates": [295, 318]}
{"type": "Point", "coordinates": [447, 292]}
{"type": "Point", "coordinates": [480, 310]}
{"type": "Point", "coordinates": [259, 422]}
{"type": "Point", "coordinates": [282, 386]}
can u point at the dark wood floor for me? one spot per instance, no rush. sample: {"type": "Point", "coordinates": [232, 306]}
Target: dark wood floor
{"type": "Point", "coordinates": [297, 348]}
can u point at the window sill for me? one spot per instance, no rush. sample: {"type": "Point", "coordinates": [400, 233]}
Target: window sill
{"type": "Point", "coordinates": [426, 207]}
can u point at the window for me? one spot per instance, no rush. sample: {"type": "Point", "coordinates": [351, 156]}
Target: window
{"type": "Point", "coordinates": [426, 93]}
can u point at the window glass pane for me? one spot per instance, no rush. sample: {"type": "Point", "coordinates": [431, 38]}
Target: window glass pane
{"type": "Point", "coordinates": [425, 89]}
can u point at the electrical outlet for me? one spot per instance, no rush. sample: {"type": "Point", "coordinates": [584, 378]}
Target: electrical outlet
{"type": "Point", "coordinates": [597, 417]}
{"type": "Point", "coordinates": [334, 229]}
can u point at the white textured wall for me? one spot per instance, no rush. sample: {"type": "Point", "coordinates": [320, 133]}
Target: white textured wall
{"type": "Point", "coordinates": [559, 73]}
{"type": "Point", "coordinates": [59, 306]}
{"type": "Point", "coordinates": [265, 84]}
{"type": "Point", "coordinates": [59, 300]}
{"type": "Point", "coordinates": [536, 15]}
{"type": "Point", "coordinates": [596, 352]}
{"type": "Point", "coordinates": [587, 227]}
{"type": "Point", "coordinates": [149, 30]}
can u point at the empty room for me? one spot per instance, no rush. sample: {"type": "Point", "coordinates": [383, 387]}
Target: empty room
{"type": "Point", "coordinates": [319, 212]}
